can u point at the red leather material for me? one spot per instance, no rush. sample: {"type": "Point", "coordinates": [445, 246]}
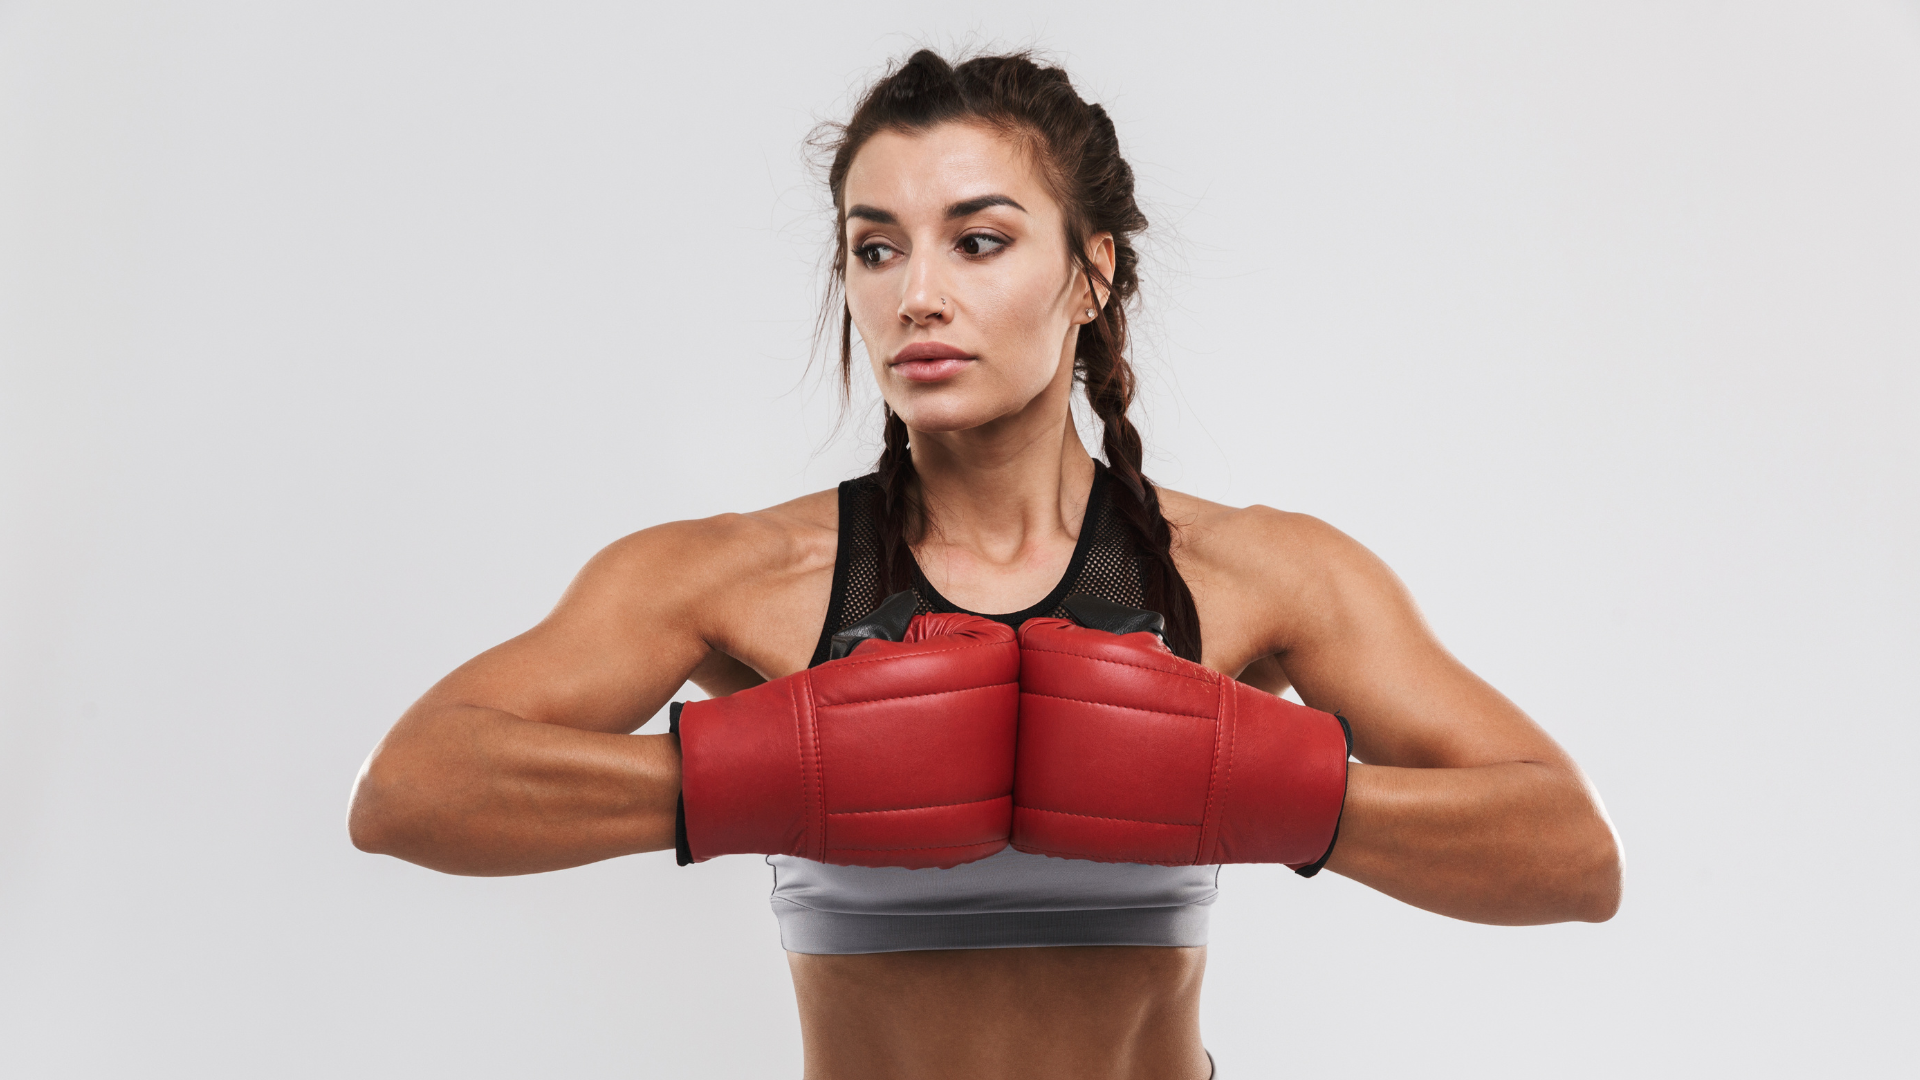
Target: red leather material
{"type": "Point", "coordinates": [1128, 753]}
{"type": "Point", "coordinates": [741, 775]}
{"type": "Point", "coordinates": [901, 754]}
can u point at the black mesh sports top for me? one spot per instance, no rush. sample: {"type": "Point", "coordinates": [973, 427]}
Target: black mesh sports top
{"type": "Point", "coordinates": [1010, 899]}
{"type": "Point", "coordinates": [1106, 563]}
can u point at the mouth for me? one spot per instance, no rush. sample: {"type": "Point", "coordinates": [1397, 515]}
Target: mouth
{"type": "Point", "coordinates": [929, 361]}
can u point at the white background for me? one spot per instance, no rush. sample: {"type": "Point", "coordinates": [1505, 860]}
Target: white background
{"type": "Point", "coordinates": [335, 337]}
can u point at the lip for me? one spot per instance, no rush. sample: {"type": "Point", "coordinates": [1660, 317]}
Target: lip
{"type": "Point", "coordinates": [928, 350]}
{"type": "Point", "coordinates": [929, 361]}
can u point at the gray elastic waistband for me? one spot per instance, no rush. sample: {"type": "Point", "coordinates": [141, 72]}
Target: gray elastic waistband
{"type": "Point", "coordinates": [804, 930]}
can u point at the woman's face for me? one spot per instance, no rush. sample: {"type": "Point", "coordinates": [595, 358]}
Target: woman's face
{"type": "Point", "coordinates": [958, 276]}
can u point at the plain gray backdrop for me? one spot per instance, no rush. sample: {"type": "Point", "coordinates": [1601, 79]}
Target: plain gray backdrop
{"type": "Point", "coordinates": [334, 337]}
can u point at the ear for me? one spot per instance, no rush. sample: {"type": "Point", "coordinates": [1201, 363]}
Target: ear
{"type": "Point", "coordinates": [1100, 254]}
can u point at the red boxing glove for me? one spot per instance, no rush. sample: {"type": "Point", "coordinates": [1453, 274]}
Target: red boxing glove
{"type": "Point", "coordinates": [1130, 754]}
{"type": "Point", "coordinates": [899, 754]}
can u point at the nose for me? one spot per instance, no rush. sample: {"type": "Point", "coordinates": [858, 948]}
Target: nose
{"type": "Point", "coordinates": [924, 299]}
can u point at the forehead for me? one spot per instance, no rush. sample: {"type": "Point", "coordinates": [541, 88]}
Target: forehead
{"type": "Point", "coordinates": [927, 171]}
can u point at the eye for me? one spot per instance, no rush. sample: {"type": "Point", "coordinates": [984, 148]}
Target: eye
{"type": "Point", "coordinates": [873, 255]}
{"type": "Point", "coordinates": [979, 244]}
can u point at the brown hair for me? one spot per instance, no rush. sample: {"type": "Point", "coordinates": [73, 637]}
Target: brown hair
{"type": "Point", "coordinates": [1079, 157]}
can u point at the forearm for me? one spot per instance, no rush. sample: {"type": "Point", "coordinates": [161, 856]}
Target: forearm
{"type": "Point", "coordinates": [1517, 843]}
{"type": "Point", "coordinates": [468, 790]}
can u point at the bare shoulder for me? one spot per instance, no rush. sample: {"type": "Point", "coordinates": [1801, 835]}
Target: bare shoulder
{"type": "Point", "coordinates": [1291, 599]}
{"type": "Point", "coordinates": [722, 600]}
{"type": "Point", "coordinates": [707, 559]}
{"type": "Point", "coordinates": [1257, 540]}
{"type": "Point", "coordinates": [1267, 578]}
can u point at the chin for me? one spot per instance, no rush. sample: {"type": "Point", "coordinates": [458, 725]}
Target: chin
{"type": "Point", "coordinates": [937, 417]}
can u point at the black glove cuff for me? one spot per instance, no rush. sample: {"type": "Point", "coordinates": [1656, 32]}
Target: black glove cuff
{"type": "Point", "coordinates": [682, 854]}
{"type": "Point", "coordinates": [888, 622]}
{"type": "Point", "coordinates": [1096, 614]}
{"type": "Point", "coordinates": [1315, 866]}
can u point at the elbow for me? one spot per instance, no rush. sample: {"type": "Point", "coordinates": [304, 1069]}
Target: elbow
{"type": "Point", "coordinates": [366, 831]}
{"type": "Point", "coordinates": [1602, 898]}
{"type": "Point", "coordinates": [1581, 866]}
{"type": "Point", "coordinates": [1600, 880]}
{"type": "Point", "coordinates": [373, 823]}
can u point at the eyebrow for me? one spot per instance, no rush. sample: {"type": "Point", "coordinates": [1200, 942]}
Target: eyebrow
{"type": "Point", "coordinates": [973, 206]}
{"type": "Point", "coordinates": [964, 208]}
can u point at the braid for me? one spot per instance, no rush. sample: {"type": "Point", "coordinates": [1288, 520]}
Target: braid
{"type": "Point", "coordinates": [900, 515]}
{"type": "Point", "coordinates": [1109, 382]}
{"type": "Point", "coordinates": [1100, 361]}
{"type": "Point", "coordinates": [899, 507]}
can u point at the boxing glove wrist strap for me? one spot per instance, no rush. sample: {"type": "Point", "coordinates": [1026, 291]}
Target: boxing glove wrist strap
{"type": "Point", "coordinates": [1320, 863]}
{"type": "Point", "coordinates": [682, 854]}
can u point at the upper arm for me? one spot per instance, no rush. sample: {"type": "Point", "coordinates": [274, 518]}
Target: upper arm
{"type": "Point", "coordinates": [1350, 638]}
{"type": "Point", "coordinates": [627, 634]}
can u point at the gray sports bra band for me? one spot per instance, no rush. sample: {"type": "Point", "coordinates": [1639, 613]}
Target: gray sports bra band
{"type": "Point", "coordinates": [1008, 900]}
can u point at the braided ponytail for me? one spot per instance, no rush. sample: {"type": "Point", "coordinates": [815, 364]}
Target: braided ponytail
{"type": "Point", "coordinates": [1079, 154]}
{"type": "Point", "coordinates": [1109, 382]}
{"type": "Point", "coordinates": [900, 512]}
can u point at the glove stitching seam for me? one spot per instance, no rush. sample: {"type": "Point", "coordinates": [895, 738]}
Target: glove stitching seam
{"type": "Point", "coordinates": [931, 847]}
{"type": "Point", "coordinates": [910, 697]}
{"type": "Point", "coordinates": [800, 766]}
{"type": "Point", "coordinates": [1222, 733]}
{"type": "Point", "coordinates": [1117, 705]}
{"type": "Point", "coordinates": [853, 660]}
{"type": "Point", "coordinates": [1122, 663]}
{"type": "Point", "coordinates": [929, 806]}
{"type": "Point", "coordinates": [819, 771]}
{"type": "Point", "coordinates": [1103, 817]}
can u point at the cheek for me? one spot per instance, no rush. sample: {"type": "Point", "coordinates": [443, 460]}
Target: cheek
{"type": "Point", "coordinates": [875, 308]}
{"type": "Point", "coordinates": [1025, 325]}
{"type": "Point", "coordinates": [862, 302]}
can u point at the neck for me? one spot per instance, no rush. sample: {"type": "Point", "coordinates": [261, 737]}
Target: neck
{"type": "Point", "coordinates": [1004, 490]}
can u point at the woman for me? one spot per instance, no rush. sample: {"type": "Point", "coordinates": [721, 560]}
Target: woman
{"type": "Point", "coordinates": [986, 232]}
